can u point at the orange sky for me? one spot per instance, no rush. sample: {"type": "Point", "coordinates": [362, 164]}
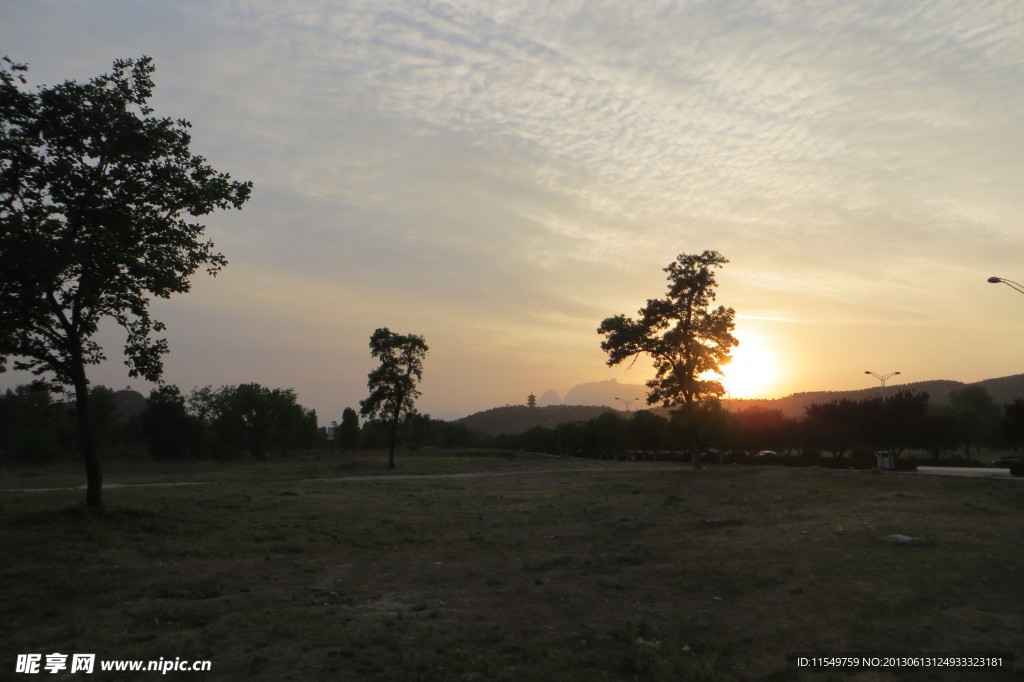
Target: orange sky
{"type": "Point", "coordinates": [499, 178]}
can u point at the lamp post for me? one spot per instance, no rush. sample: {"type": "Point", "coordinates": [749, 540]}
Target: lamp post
{"type": "Point", "coordinates": [881, 377]}
{"type": "Point", "coordinates": [626, 402]}
{"type": "Point", "coordinates": [1019, 288]}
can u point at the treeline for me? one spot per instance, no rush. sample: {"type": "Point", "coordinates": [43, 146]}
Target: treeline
{"type": "Point", "coordinates": [898, 423]}
{"type": "Point", "coordinates": [250, 420]}
{"type": "Point", "coordinates": [230, 422]}
{"type": "Point", "coordinates": [224, 423]}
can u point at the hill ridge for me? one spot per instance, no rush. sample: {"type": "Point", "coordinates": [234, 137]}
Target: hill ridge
{"type": "Point", "coordinates": [519, 418]}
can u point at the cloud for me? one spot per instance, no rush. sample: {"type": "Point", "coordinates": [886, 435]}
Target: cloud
{"type": "Point", "coordinates": [506, 174]}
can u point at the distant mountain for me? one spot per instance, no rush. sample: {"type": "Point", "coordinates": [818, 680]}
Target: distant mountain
{"type": "Point", "coordinates": [589, 400]}
{"type": "Point", "coordinates": [1003, 390]}
{"type": "Point", "coordinates": [609, 393]}
{"type": "Point", "coordinates": [519, 418]}
{"type": "Point", "coordinates": [549, 397]}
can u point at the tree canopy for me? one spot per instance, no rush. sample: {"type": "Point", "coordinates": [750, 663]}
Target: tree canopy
{"type": "Point", "coordinates": [348, 430]}
{"type": "Point", "coordinates": [96, 201]}
{"type": "Point", "coordinates": [393, 383]}
{"type": "Point", "coordinates": [687, 340]}
{"type": "Point", "coordinates": [250, 418]}
{"type": "Point", "coordinates": [685, 337]}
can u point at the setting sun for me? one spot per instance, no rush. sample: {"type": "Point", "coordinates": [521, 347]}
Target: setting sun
{"type": "Point", "coordinates": [753, 371]}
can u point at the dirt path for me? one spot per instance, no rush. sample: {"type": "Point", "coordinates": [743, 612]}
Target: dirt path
{"type": "Point", "coordinates": [933, 471]}
{"type": "Point", "coordinates": [382, 477]}
{"type": "Point", "coordinates": [484, 474]}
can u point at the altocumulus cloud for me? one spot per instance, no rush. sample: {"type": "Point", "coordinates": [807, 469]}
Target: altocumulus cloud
{"type": "Point", "coordinates": [505, 174]}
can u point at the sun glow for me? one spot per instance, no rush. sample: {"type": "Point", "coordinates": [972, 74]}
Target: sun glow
{"type": "Point", "coordinates": [753, 371]}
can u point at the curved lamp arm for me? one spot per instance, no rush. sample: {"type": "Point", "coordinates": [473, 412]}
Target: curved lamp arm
{"type": "Point", "coordinates": [1008, 282]}
{"type": "Point", "coordinates": [880, 377]}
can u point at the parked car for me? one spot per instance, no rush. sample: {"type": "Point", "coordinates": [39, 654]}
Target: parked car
{"type": "Point", "coordinates": [766, 453]}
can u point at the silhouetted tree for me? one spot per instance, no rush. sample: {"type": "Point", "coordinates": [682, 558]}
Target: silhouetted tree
{"type": "Point", "coordinates": [94, 199]}
{"type": "Point", "coordinates": [759, 428]}
{"type": "Point", "coordinates": [170, 431]}
{"type": "Point", "coordinates": [373, 434]}
{"type": "Point", "coordinates": [33, 426]}
{"type": "Point", "coordinates": [565, 440]}
{"type": "Point", "coordinates": [704, 423]}
{"type": "Point", "coordinates": [893, 423]}
{"type": "Point", "coordinates": [455, 435]}
{"type": "Point", "coordinates": [103, 418]}
{"type": "Point", "coordinates": [976, 414]}
{"type": "Point", "coordinates": [646, 430]}
{"type": "Point", "coordinates": [605, 436]}
{"type": "Point", "coordinates": [831, 426]}
{"type": "Point", "coordinates": [255, 419]}
{"type": "Point", "coordinates": [393, 383]}
{"type": "Point", "coordinates": [1013, 422]}
{"type": "Point", "coordinates": [940, 432]}
{"type": "Point", "coordinates": [348, 430]}
{"type": "Point", "coordinates": [683, 335]}
{"type": "Point", "coordinates": [419, 430]}
{"type": "Point", "coordinates": [898, 421]}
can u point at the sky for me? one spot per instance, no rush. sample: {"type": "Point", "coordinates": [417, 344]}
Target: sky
{"type": "Point", "coordinates": [499, 176]}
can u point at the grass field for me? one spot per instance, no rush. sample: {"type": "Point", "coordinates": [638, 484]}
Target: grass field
{"type": "Point", "coordinates": [611, 573]}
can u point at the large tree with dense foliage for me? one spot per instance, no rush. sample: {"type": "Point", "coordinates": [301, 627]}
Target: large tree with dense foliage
{"type": "Point", "coordinates": [169, 430]}
{"type": "Point", "coordinates": [1013, 422]}
{"type": "Point", "coordinates": [253, 419]}
{"type": "Point", "coordinates": [761, 428]}
{"type": "Point", "coordinates": [832, 426]}
{"type": "Point", "coordinates": [96, 197]}
{"type": "Point", "coordinates": [33, 426]}
{"type": "Point", "coordinates": [348, 430]}
{"type": "Point", "coordinates": [897, 421]}
{"type": "Point", "coordinates": [393, 383]}
{"type": "Point", "coordinates": [894, 423]}
{"type": "Point", "coordinates": [977, 416]}
{"type": "Point", "coordinates": [686, 338]}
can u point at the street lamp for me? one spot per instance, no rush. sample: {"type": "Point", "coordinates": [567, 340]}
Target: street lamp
{"type": "Point", "coordinates": [1008, 282]}
{"type": "Point", "coordinates": [626, 402]}
{"type": "Point", "coordinates": [881, 377]}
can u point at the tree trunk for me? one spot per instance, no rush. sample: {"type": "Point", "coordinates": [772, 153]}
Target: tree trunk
{"type": "Point", "coordinates": [694, 420]}
{"type": "Point", "coordinates": [392, 439]}
{"type": "Point", "coordinates": [93, 473]}
{"type": "Point", "coordinates": [391, 447]}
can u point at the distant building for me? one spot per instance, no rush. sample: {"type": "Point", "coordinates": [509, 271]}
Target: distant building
{"type": "Point", "coordinates": [531, 400]}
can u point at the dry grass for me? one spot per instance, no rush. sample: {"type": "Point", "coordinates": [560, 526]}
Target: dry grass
{"type": "Point", "coordinates": [597, 575]}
